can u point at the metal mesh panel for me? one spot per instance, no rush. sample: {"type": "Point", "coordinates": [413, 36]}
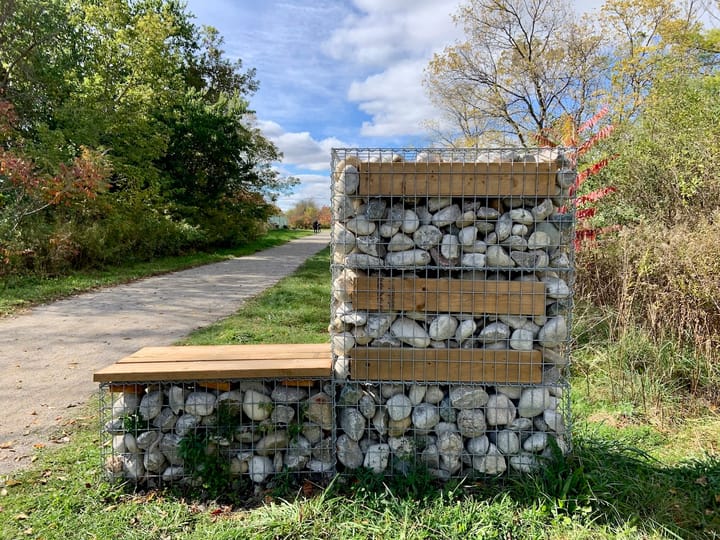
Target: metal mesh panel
{"type": "Point", "coordinates": [452, 284]}
{"type": "Point", "coordinates": [163, 433]}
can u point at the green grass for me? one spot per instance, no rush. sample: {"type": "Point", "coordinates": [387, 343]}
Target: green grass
{"type": "Point", "coordinates": [19, 292]}
{"type": "Point", "coordinates": [296, 310]}
{"type": "Point", "coordinates": [635, 473]}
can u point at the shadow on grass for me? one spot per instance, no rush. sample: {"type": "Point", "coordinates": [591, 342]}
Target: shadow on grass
{"type": "Point", "coordinates": [617, 484]}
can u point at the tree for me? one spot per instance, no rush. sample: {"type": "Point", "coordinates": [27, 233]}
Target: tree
{"type": "Point", "coordinates": [650, 40]}
{"type": "Point", "coordinates": [524, 64]}
{"type": "Point", "coordinates": [302, 215]}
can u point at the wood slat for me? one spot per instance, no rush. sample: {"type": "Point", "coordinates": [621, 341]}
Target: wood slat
{"type": "Point", "coordinates": [446, 365]}
{"type": "Point", "coordinates": [449, 295]}
{"type": "Point", "coordinates": [229, 352]}
{"type": "Point", "coordinates": [220, 362]}
{"type": "Point", "coordinates": [457, 179]}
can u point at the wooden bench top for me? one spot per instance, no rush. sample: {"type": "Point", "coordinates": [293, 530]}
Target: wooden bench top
{"type": "Point", "coordinates": [220, 362]}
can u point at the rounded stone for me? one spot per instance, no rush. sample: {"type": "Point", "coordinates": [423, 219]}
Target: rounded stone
{"type": "Point", "coordinates": [273, 442]}
{"type": "Point", "coordinates": [522, 216]}
{"type": "Point", "coordinates": [349, 452]}
{"type": "Point", "coordinates": [535, 442]}
{"type": "Point", "coordinates": [521, 340]}
{"type": "Point", "coordinates": [447, 216]}
{"type": "Point", "coordinates": [377, 457]}
{"type": "Point", "coordinates": [320, 410]}
{"type": "Point", "coordinates": [533, 402]}
{"type": "Point", "coordinates": [493, 463]}
{"type": "Point", "coordinates": [344, 240]}
{"type": "Point", "coordinates": [282, 414]}
{"type": "Point", "coordinates": [471, 422]}
{"type": "Point", "coordinates": [427, 236]}
{"type": "Point", "coordinates": [348, 180]}
{"type": "Point", "coordinates": [408, 259]}
{"type": "Point", "coordinates": [494, 332]}
{"type": "Point", "coordinates": [353, 423]}
{"type": "Point", "coordinates": [367, 406]}
{"type": "Point", "coordinates": [468, 397]}
{"type": "Point", "coordinates": [524, 463]}
{"type": "Point", "coordinates": [260, 468]}
{"type": "Point", "coordinates": [443, 327]}
{"type": "Point", "coordinates": [434, 395]}
{"type": "Point", "coordinates": [186, 423]}
{"type": "Point", "coordinates": [425, 416]}
{"type": "Point", "coordinates": [410, 333]}
{"type": "Point", "coordinates": [539, 240]}
{"type": "Point", "coordinates": [507, 442]}
{"type": "Point", "coordinates": [288, 394]}
{"type": "Point", "coordinates": [151, 405]}
{"type": "Point", "coordinates": [500, 410]}
{"type": "Point", "coordinates": [497, 257]}
{"type": "Point", "coordinates": [400, 242]}
{"type": "Point", "coordinates": [474, 260]}
{"type": "Point", "coordinates": [257, 406]}
{"type": "Point", "coordinates": [360, 225]}
{"type": "Point", "coordinates": [465, 330]}
{"type": "Point", "coordinates": [410, 222]}
{"type": "Point", "coordinates": [554, 333]}
{"type": "Point", "coordinates": [554, 421]}
{"type": "Point", "coordinates": [556, 287]}
{"type": "Point", "coordinates": [478, 446]}
{"type": "Point", "coordinates": [342, 343]}
{"type": "Point", "coordinates": [399, 407]}
{"type": "Point", "coordinates": [200, 403]}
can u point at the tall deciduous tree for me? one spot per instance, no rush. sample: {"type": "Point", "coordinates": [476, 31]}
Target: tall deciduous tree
{"type": "Point", "coordinates": [524, 63]}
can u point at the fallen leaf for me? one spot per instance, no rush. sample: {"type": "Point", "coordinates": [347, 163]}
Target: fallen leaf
{"type": "Point", "coordinates": [38, 446]}
{"type": "Point", "coordinates": [21, 517]}
{"type": "Point", "coordinates": [34, 413]}
{"type": "Point", "coordinates": [11, 482]}
{"type": "Point", "coordinates": [702, 481]}
{"type": "Point", "coordinates": [6, 445]}
{"type": "Point", "coordinates": [28, 532]}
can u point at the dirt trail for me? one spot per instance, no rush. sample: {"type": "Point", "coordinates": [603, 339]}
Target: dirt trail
{"type": "Point", "coordinates": [48, 355]}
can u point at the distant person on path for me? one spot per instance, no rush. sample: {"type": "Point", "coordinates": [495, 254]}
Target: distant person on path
{"type": "Point", "coordinates": [316, 226]}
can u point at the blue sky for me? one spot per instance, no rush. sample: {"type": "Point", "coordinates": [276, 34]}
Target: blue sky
{"type": "Point", "coordinates": [336, 73]}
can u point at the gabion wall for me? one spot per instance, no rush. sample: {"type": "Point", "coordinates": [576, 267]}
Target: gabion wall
{"type": "Point", "coordinates": [160, 433]}
{"type": "Point", "coordinates": [451, 307]}
{"type": "Point", "coordinates": [452, 297]}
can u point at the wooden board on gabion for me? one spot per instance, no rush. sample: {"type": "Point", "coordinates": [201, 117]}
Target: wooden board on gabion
{"type": "Point", "coordinates": [449, 295]}
{"type": "Point", "coordinates": [457, 179]}
{"type": "Point", "coordinates": [505, 367]}
{"type": "Point", "coordinates": [220, 362]}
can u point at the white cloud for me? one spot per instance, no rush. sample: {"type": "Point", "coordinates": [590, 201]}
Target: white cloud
{"type": "Point", "coordinates": [395, 99]}
{"type": "Point", "coordinates": [387, 32]}
{"type": "Point", "coordinates": [300, 149]}
{"type": "Point", "coordinates": [312, 186]}
{"type": "Point", "coordinates": [392, 43]}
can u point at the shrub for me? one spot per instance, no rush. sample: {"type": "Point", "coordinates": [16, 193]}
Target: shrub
{"type": "Point", "coordinates": [665, 279]}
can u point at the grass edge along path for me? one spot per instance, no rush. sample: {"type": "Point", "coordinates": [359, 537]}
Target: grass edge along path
{"type": "Point", "coordinates": [21, 292]}
{"type": "Point", "coordinates": [623, 481]}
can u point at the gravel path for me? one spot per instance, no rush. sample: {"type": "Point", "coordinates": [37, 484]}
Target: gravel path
{"type": "Point", "coordinates": [48, 355]}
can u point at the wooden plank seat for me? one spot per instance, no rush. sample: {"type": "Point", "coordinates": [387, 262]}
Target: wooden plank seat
{"type": "Point", "coordinates": [220, 363]}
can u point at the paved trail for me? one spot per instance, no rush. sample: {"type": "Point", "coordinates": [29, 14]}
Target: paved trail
{"type": "Point", "coordinates": [48, 355]}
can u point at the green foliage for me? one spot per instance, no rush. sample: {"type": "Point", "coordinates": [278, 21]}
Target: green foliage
{"type": "Point", "coordinates": [667, 170]}
{"type": "Point", "coordinates": [136, 87]}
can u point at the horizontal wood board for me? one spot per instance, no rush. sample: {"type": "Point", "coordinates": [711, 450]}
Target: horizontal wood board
{"type": "Point", "coordinates": [220, 362]}
{"type": "Point", "coordinates": [448, 295]}
{"type": "Point", "coordinates": [457, 179]}
{"type": "Point", "coordinates": [185, 353]}
{"type": "Point", "coordinates": [446, 365]}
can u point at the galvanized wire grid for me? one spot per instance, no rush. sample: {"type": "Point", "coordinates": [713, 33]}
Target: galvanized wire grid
{"type": "Point", "coordinates": [456, 293]}
{"type": "Point", "coordinates": [192, 433]}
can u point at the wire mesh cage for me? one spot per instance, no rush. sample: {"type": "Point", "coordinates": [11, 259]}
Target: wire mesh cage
{"type": "Point", "coordinates": [453, 272]}
{"type": "Point", "coordinates": [194, 433]}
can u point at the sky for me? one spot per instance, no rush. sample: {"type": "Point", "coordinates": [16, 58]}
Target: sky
{"type": "Point", "coordinates": [336, 74]}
